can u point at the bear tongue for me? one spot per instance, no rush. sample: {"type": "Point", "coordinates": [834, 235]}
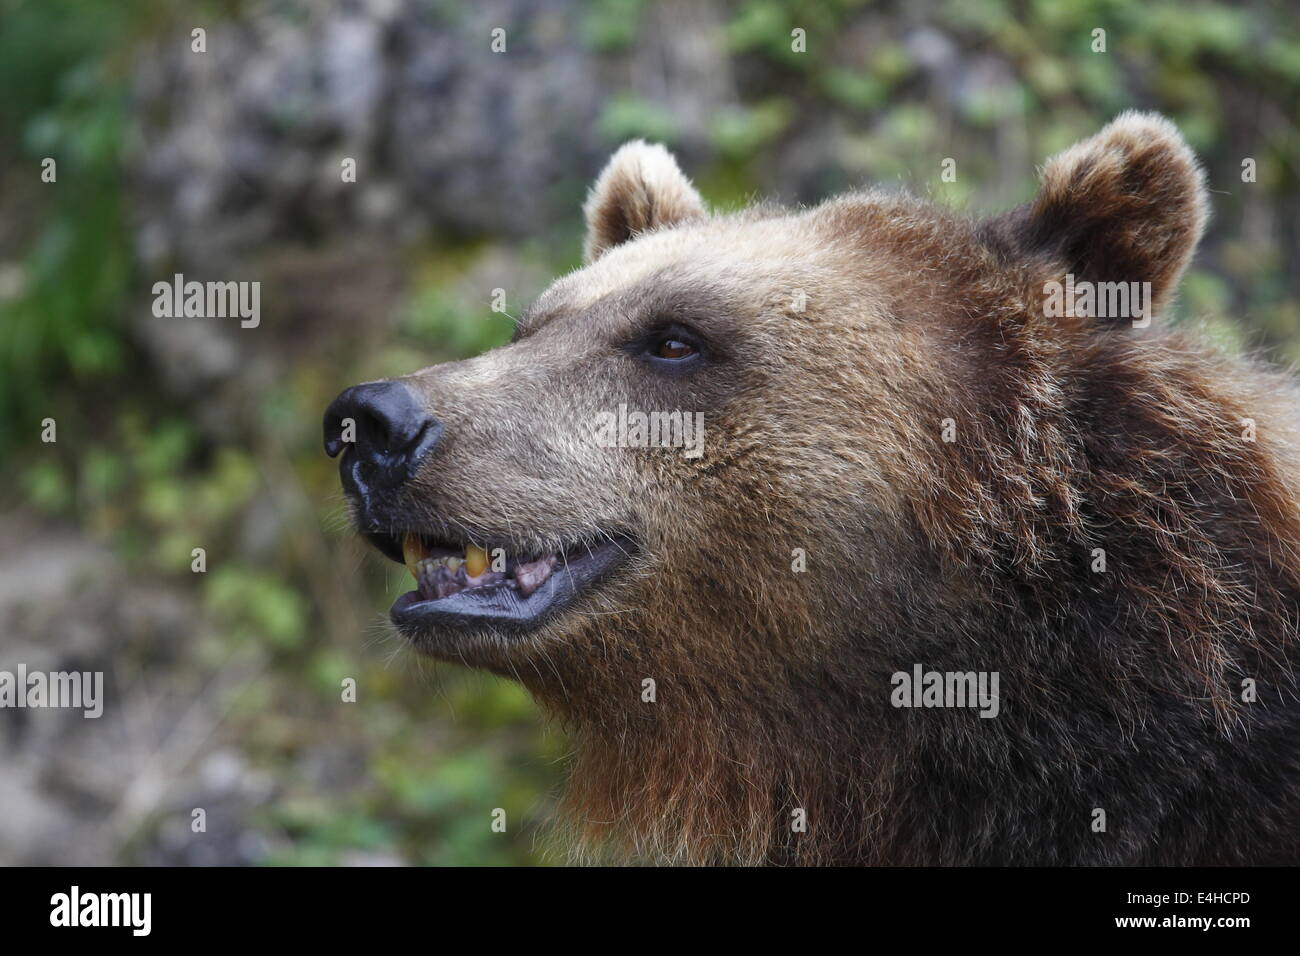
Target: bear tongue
{"type": "Point", "coordinates": [533, 574]}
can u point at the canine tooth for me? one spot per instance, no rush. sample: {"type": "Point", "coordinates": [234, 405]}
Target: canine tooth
{"type": "Point", "coordinates": [413, 551]}
{"type": "Point", "coordinates": [476, 560]}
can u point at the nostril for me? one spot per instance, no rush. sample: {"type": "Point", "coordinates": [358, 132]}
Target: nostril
{"type": "Point", "coordinates": [375, 431]}
{"type": "Point", "coordinates": [334, 441]}
{"type": "Point", "coordinates": [386, 423]}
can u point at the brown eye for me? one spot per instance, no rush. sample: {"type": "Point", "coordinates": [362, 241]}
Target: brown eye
{"type": "Point", "coordinates": [674, 349]}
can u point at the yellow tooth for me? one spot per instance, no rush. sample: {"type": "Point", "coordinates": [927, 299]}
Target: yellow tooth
{"type": "Point", "coordinates": [476, 560]}
{"type": "Point", "coordinates": [413, 553]}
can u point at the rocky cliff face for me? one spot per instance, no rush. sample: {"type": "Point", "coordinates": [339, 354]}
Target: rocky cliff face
{"type": "Point", "coordinates": [244, 144]}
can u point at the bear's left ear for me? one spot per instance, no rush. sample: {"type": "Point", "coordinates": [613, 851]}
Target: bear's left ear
{"type": "Point", "coordinates": [1127, 205]}
{"type": "Point", "coordinates": [640, 189]}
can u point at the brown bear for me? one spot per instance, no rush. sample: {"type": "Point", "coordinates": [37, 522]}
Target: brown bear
{"type": "Point", "coordinates": [871, 533]}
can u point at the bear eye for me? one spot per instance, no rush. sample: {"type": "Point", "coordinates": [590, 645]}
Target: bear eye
{"type": "Point", "coordinates": [674, 349]}
{"type": "Point", "coordinates": [670, 349]}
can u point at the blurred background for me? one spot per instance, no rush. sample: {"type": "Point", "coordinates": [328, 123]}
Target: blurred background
{"type": "Point", "coordinates": [223, 688]}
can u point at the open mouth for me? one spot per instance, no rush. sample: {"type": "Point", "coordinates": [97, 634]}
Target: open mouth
{"type": "Point", "coordinates": [470, 587]}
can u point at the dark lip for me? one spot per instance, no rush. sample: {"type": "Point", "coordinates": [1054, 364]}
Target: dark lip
{"type": "Point", "coordinates": [387, 544]}
{"type": "Point", "coordinates": [501, 608]}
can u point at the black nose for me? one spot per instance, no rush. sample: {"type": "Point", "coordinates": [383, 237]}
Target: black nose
{"type": "Point", "coordinates": [387, 426]}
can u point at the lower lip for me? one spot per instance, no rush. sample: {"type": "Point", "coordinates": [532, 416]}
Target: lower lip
{"type": "Point", "coordinates": [502, 607]}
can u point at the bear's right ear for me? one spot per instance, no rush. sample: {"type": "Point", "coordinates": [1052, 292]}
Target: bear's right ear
{"type": "Point", "coordinates": [640, 189]}
{"type": "Point", "coordinates": [1126, 205]}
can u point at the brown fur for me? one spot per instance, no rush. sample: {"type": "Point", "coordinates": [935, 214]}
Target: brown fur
{"type": "Point", "coordinates": [1120, 690]}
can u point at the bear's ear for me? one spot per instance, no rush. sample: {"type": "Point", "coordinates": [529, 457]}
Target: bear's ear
{"type": "Point", "coordinates": [640, 189]}
{"type": "Point", "coordinates": [1127, 205]}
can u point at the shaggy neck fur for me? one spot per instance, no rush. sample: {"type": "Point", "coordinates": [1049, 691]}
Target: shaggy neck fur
{"type": "Point", "coordinates": [1121, 690]}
